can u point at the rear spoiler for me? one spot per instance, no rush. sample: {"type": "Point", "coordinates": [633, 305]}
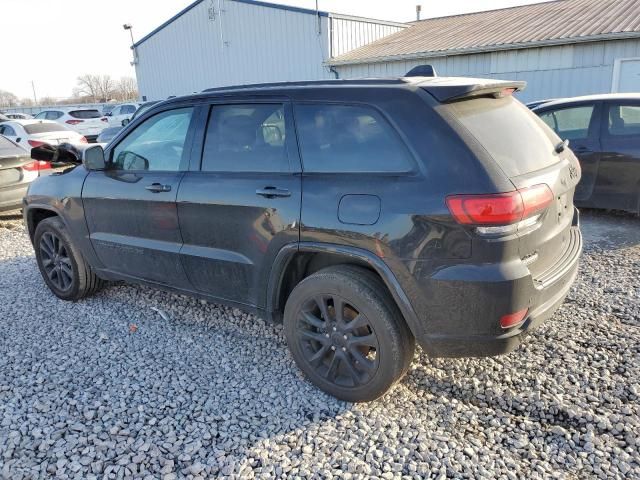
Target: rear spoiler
{"type": "Point", "coordinates": [450, 91]}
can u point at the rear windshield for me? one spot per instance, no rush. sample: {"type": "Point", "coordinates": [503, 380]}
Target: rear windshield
{"type": "Point", "coordinates": [85, 114]}
{"type": "Point", "coordinates": [516, 139]}
{"type": "Point", "coordinates": [44, 128]}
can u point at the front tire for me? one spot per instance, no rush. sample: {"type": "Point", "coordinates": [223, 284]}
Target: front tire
{"type": "Point", "coordinates": [346, 334]}
{"type": "Point", "coordinates": [61, 264]}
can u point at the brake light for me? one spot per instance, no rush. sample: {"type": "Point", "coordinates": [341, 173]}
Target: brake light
{"type": "Point", "coordinates": [104, 119]}
{"type": "Point", "coordinates": [513, 319]}
{"type": "Point", "coordinates": [74, 122]}
{"type": "Point", "coordinates": [83, 140]}
{"type": "Point", "coordinates": [35, 143]}
{"type": "Point", "coordinates": [499, 208]}
{"type": "Point", "coordinates": [37, 165]}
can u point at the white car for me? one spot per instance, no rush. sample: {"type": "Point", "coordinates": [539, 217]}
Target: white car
{"type": "Point", "coordinates": [121, 112]}
{"type": "Point", "coordinates": [86, 121]}
{"type": "Point", "coordinates": [33, 133]}
{"type": "Point", "coordinates": [18, 116]}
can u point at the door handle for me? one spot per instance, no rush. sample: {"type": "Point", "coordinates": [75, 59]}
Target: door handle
{"type": "Point", "coordinates": [158, 187]}
{"type": "Point", "coordinates": [273, 192]}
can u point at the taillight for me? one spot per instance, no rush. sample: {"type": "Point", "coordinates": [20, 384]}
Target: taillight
{"type": "Point", "coordinates": [74, 122]}
{"type": "Point", "coordinates": [37, 165]}
{"type": "Point", "coordinates": [500, 208]}
{"type": "Point", "coordinates": [513, 319]}
{"type": "Point", "coordinates": [83, 140]}
{"type": "Point", "coordinates": [35, 143]}
{"type": "Point", "coordinates": [104, 119]}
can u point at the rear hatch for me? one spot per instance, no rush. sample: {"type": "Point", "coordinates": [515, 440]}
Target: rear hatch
{"type": "Point", "coordinates": [12, 159]}
{"type": "Point", "coordinates": [500, 128]}
{"type": "Point", "coordinates": [87, 122]}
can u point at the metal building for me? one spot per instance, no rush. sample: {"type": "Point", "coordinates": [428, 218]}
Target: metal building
{"type": "Point", "coordinates": [229, 42]}
{"type": "Point", "coordinates": [561, 48]}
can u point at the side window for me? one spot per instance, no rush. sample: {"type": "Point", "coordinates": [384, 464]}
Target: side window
{"type": "Point", "coordinates": [624, 120]}
{"type": "Point", "coordinates": [127, 109]}
{"type": "Point", "coordinates": [572, 123]}
{"type": "Point", "coordinates": [245, 138]}
{"type": "Point", "coordinates": [157, 144]}
{"type": "Point", "coordinates": [348, 138]}
{"type": "Point", "coordinates": [41, 115]}
{"type": "Point", "coordinates": [9, 131]}
{"type": "Point", "coordinates": [53, 115]}
{"type": "Point", "coordinates": [115, 111]}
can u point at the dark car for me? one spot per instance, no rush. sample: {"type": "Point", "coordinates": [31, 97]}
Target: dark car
{"type": "Point", "coordinates": [537, 103]}
{"type": "Point", "coordinates": [364, 214]}
{"type": "Point", "coordinates": [604, 132]}
{"type": "Point", "coordinates": [17, 170]}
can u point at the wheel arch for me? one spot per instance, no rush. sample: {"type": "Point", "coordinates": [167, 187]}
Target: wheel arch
{"type": "Point", "coordinates": [34, 214]}
{"type": "Point", "coordinates": [295, 262]}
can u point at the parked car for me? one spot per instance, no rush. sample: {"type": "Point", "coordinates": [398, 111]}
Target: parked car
{"type": "Point", "coordinates": [17, 170]}
{"type": "Point", "coordinates": [33, 133]}
{"type": "Point", "coordinates": [120, 113]}
{"type": "Point", "coordinates": [108, 108]}
{"type": "Point", "coordinates": [109, 134]}
{"type": "Point", "coordinates": [604, 132]}
{"type": "Point", "coordinates": [436, 210]}
{"type": "Point", "coordinates": [18, 116]}
{"type": "Point", "coordinates": [87, 122]}
{"type": "Point", "coordinates": [4, 118]}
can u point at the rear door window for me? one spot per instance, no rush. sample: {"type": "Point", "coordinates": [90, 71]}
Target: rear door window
{"type": "Point", "coordinates": [514, 137]}
{"type": "Point", "coordinates": [624, 120]}
{"type": "Point", "coordinates": [572, 123]}
{"type": "Point", "coordinates": [246, 138]}
{"type": "Point", "coordinates": [127, 109]}
{"type": "Point", "coordinates": [53, 115]}
{"type": "Point", "coordinates": [349, 138]}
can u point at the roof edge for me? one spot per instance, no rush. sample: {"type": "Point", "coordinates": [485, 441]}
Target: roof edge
{"type": "Point", "coordinates": [257, 3]}
{"type": "Point", "coordinates": [356, 18]}
{"type": "Point", "coordinates": [485, 49]}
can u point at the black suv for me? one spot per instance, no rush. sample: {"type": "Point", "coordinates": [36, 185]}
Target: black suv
{"type": "Point", "coordinates": [366, 215]}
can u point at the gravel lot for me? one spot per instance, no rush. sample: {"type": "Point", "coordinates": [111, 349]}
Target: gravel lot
{"type": "Point", "coordinates": [137, 383]}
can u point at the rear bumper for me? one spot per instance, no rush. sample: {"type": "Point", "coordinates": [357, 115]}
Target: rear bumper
{"type": "Point", "coordinates": [471, 321]}
{"type": "Point", "coordinates": [11, 197]}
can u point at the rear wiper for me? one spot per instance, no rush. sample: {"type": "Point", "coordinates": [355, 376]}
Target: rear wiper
{"type": "Point", "coordinates": [562, 145]}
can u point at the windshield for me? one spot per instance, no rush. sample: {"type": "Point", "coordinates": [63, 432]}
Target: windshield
{"type": "Point", "coordinates": [514, 136]}
{"type": "Point", "coordinates": [44, 128]}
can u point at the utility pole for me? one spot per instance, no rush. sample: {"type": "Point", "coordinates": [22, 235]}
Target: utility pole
{"type": "Point", "coordinates": [33, 87]}
{"type": "Point", "coordinates": [127, 26]}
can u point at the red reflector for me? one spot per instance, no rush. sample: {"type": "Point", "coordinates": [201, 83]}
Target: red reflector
{"type": "Point", "coordinates": [104, 119]}
{"type": "Point", "coordinates": [499, 208]}
{"type": "Point", "coordinates": [83, 140]}
{"type": "Point", "coordinates": [74, 122]}
{"type": "Point", "coordinates": [35, 143]}
{"type": "Point", "coordinates": [37, 165]}
{"type": "Point", "coordinates": [508, 321]}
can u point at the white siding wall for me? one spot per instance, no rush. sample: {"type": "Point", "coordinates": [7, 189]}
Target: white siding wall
{"type": "Point", "coordinates": [550, 72]}
{"type": "Point", "coordinates": [348, 33]}
{"type": "Point", "coordinates": [243, 44]}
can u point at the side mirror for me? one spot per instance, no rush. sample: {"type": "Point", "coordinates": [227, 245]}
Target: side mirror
{"type": "Point", "coordinates": [93, 158]}
{"type": "Point", "coordinates": [108, 114]}
{"type": "Point", "coordinates": [126, 122]}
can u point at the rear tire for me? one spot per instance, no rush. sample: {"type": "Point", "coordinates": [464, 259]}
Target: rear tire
{"type": "Point", "coordinates": [63, 268]}
{"type": "Point", "coordinates": [346, 333]}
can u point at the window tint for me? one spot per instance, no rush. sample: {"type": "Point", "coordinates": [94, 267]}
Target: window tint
{"type": "Point", "coordinates": [245, 138]}
{"type": "Point", "coordinates": [85, 114]}
{"type": "Point", "coordinates": [53, 115]}
{"type": "Point", "coordinates": [624, 120]}
{"type": "Point", "coordinates": [127, 109]}
{"type": "Point", "coordinates": [571, 123]}
{"type": "Point", "coordinates": [41, 115]}
{"type": "Point", "coordinates": [348, 138]}
{"type": "Point", "coordinates": [44, 127]}
{"type": "Point", "coordinates": [156, 144]}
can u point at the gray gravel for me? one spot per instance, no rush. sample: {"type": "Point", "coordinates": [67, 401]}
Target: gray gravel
{"type": "Point", "coordinates": [137, 383]}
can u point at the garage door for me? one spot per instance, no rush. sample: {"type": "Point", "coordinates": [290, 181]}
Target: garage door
{"type": "Point", "coordinates": [626, 76]}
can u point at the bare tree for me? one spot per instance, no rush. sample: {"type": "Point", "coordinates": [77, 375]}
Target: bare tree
{"type": "Point", "coordinates": [26, 102]}
{"type": "Point", "coordinates": [126, 89]}
{"type": "Point", "coordinates": [8, 99]}
{"type": "Point", "coordinates": [99, 88]}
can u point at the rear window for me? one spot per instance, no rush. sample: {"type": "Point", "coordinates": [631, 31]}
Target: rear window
{"type": "Point", "coordinates": [348, 138]}
{"type": "Point", "coordinates": [84, 114]}
{"type": "Point", "coordinates": [516, 139]}
{"type": "Point", "coordinates": [44, 127]}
